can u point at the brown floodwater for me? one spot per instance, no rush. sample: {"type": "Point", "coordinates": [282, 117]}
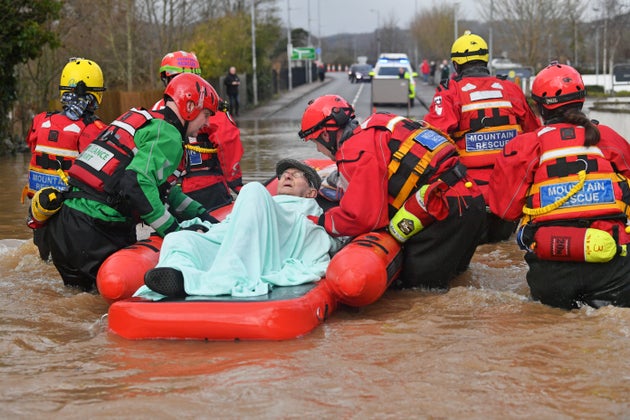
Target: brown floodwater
{"type": "Point", "coordinates": [481, 350]}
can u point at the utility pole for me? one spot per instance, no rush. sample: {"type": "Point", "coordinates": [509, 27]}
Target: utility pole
{"type": "Point", "coordinates": [254, 78]}
{"type": "Point", "coordinates": [289, 46]}
{"type": "Point", "coordinates": [490, 40]}
{"type": "Point", "coordinates": [307, 63]}
{"type": "Point", "coordinates": [378, 31]}
{"type": "Point", "coordinates": [455, 7]}
{"type": "Point", "coordinates": [319, 34]}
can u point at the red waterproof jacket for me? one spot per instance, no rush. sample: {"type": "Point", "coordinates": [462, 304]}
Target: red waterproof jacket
{"type": "Point", "coordinates": [539, 168]}
{"type": "Point", "coordinates": [481, 113]}
{"type": "Point", "coordinates": [363, 164]}
{"type": "Point", "coordinates": [200, 170]}
{"type": "Point", "coordinates": [223, 165]}
{"type": "Point", "coordinates": [55, 142]}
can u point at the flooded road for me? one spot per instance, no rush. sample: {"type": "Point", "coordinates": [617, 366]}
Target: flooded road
{"type": "Point", "coordinates": [481, 350]}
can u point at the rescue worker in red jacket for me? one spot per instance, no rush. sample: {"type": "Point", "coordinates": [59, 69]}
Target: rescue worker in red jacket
{"type": "Point", "coordinates": [56, 138]}
{"type": "Point", "coordinates": [569, 182]}
{"type": "Point", "coordinates": [481, 113]}
{"type": "Point", "coordinates": [211, 165]}
{"type": "Point", "coordinates": [391, 167]}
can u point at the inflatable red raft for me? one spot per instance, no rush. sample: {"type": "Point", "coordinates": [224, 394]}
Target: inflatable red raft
{"type": "Point", "coordinates": [357, 275]}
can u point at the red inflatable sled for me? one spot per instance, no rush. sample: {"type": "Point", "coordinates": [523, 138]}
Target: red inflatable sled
{"type": "Point", "coordinates": [357, 275]}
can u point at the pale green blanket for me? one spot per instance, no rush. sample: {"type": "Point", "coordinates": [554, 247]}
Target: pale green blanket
{"type": "Point", "coordinates": [266, 240]}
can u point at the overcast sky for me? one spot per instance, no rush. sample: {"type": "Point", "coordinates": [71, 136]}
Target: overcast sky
{"type": "Point", "coordinates": [358, 16]}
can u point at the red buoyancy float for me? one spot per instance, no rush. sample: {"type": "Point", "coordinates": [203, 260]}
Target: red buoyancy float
{"type": "Point", "coordinates": [122, 273]}
{"type": "Point", "coordinates": [360, 273]}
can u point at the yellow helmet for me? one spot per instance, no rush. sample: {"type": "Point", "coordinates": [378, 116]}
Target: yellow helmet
{"type": "Point", "coordinates": [469, 47]}
{"type": "Point", "coordinates": [82, 70]}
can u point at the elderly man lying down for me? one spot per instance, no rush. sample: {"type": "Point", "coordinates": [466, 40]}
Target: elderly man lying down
{"type": "Point", "coordinates": [265, 241]}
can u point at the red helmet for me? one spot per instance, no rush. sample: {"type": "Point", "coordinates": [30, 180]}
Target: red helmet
{"type": "Point", "coordinates": [188, 87]}
{"type": "Point", "coordinates": [325, 111]}
{"type": "Point", "coordinates": [178, 62]}
{"type": "Point", "coordinates": [557, 85]}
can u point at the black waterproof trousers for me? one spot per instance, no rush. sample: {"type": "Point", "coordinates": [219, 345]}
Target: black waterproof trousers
{"type": "Point", "coordinates": [79, 244]}
{"type": "Point", "coordinates": [569, 285]}
{"type": "Point", "coordinates": [434, 256]}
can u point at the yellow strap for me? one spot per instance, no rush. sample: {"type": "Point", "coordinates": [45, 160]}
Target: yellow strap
{"type": "Point", "coordinates": [397, 156]}
{"type": "Point", "coordinates": [24, 194]}
{"type": "Point", "coordinates": [200, 149]}
{"type": "Point", "coordinates": [62, 175]}
{"type": "Point", "coordinates": [418, 170]}
{"type": "Point", "coordinates": [550, 207]}
{"type": "Point", "coordinates": [410, 183]}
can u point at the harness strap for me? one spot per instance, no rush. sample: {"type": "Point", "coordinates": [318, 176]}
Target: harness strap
{"type": "Point", "coordinates": [200, 149]}
{"type": "Point", "coordinates": [419, 169]}
{"type": "Point", "coordinates": [90, 194]}
{"type": "Point", "coordinates": [454, 175]}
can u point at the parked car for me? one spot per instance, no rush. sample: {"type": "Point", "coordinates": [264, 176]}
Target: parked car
{"type": "Point", "coordinates": [503, 63]}
{"type": "Point", "coordinates": [359, 73]}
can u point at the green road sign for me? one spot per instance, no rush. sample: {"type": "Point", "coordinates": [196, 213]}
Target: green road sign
{"type": "Point", "coordinates": [303, 53]}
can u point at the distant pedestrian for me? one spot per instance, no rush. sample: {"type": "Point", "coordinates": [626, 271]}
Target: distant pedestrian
{"type": "Point", "coordinates": [425, 69]}
{"type": "Point", "coordinates": [445, 71]}
{"type": "Point", "coordinates": [321, 71]}
{"type": "Point", "coordinates": [232, 82]}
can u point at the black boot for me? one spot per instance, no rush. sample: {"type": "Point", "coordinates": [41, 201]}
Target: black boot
{"type": "Point", "coordinates": [166, 281]}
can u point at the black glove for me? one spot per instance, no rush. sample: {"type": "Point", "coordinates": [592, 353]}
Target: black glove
{"type": "Point", "coordinates": [206, 217]}
{"type": "Point", "coordinates": [196, 227]}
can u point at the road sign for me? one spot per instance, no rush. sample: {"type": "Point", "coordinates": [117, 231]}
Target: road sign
{"type": "Point", "coordinates": [303, 53]}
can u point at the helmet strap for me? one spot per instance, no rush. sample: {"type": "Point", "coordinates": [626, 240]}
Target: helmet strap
{"type": "Point", "coordinates": [457, 67]}
{"type": "Point", "coordinates": [331, 144]}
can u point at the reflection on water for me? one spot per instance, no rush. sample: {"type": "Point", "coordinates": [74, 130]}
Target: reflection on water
{"type": "Point", "coordinates": [267, 142]}
{"type": "Point", "coordinates": [480, 350]}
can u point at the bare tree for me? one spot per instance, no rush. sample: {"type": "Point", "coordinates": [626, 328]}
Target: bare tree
{"type": "Point", "coordinates": [393, 38]}
{"type": "Point", "coordinates": [528, 30]}
{"type": "Point", "coordinates": [432, 31]}
{"type": "Point", "coordinates": [614, 17]}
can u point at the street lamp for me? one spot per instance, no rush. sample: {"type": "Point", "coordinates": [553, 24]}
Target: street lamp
{"type": "Point", "coordinates": [490, 40]}
{"type": "Point", "coordinates": [254, 78]}
{"type": "Point", "coordinates": [307, 63]}
{"type": "Point", "coordinates": [289, 46]}
{"type": "Point", "coordinates": [455, 7]}
{"type": "Point", "coordinates": [597, 55]}
{"type": "Point", "coordinates": [378, 31]}
{"type": "Point", "coordinates": [319, 35]}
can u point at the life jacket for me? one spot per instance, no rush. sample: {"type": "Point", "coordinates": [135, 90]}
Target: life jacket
{"type": "Point", "coordinates": [57, 140]}
{"type": "Point", "coordinates": [202, 157]}
{"type": "Point", "coordinates": [100, 166]}
{"type": "Point", "coordinates": [574, 182]}
{"type": "Point", "coordinates": [487, 121]}
{"type": "Point", "coordinates": [418, 151]}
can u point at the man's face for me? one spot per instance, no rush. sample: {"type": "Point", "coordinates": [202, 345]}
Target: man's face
{"type": "Point", "coordinates": [195, 125]}
{"type": "Point", "coordinates": [294, 182]}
